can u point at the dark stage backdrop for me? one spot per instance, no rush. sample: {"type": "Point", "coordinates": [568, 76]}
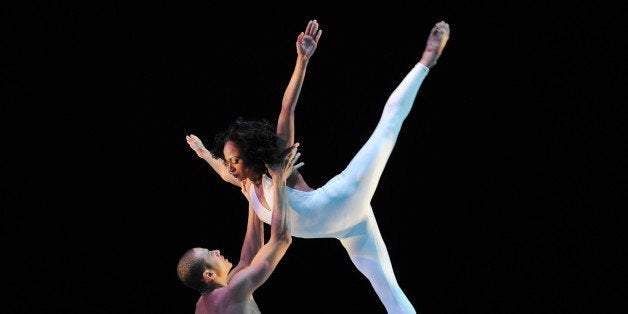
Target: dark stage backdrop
{"type": "Point", "coordinates": [506, 191]}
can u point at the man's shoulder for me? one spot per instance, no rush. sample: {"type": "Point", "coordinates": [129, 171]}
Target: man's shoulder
{"type": "Point", "coordinates": [207, 301]}
{"type": "Point", "coordinates": [202, 304]}
{"type": "Point", "coordinates": [218, 301]}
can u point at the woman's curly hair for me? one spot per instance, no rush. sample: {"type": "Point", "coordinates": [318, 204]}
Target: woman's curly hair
{"type": "Point", "coordinates": [257, 141]}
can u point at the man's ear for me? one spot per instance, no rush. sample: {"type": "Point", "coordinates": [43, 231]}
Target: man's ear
{"type": "Point", "coordinates": [208, 276]}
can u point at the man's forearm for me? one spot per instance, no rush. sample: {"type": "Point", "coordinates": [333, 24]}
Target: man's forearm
{"type": "Point", "coordinates": [280, 227]}
{"type": "Point", "coordinates": [254, 237]}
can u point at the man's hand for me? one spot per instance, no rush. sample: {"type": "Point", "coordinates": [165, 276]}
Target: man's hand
{"type": "Point", "coordinates": [282, 169]}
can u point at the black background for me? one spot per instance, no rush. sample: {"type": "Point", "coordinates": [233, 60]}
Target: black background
{"type": "Point", "coordinates": [506, 191]}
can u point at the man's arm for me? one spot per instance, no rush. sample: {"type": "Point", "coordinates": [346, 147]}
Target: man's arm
{"type": "Point", "coordinates": [265, 261]}
{"type": "Point", "coordinates": [253, 240]}
{"type": "Point", "coordinates": [306, 44]}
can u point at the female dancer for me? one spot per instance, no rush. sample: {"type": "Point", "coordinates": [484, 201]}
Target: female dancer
{"type": "Point", "coordinates": [340, 208]}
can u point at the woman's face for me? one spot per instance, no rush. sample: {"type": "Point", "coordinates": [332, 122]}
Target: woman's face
{"type": "Point", "coordinates": [236, 165]}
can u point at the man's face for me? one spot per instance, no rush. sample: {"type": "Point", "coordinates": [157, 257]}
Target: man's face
{"type": "Point", "coordinates": [218, 263]}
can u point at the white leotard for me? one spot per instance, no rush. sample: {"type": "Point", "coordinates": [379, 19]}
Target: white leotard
{"type": "Point", "coordinates": [341, 208]}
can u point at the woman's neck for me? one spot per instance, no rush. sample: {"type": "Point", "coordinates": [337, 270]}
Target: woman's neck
{"type": "Point", "coordinates": [257, 181]}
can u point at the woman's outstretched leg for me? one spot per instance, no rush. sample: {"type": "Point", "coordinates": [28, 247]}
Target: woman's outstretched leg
{"type": "Point", "coordinates": [363, 241]}
{"type": "Point", "coordinates": [366, 167]}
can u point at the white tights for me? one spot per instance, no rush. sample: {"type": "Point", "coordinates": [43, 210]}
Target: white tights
{"type": "Point", "coordinates": [341, 208]}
